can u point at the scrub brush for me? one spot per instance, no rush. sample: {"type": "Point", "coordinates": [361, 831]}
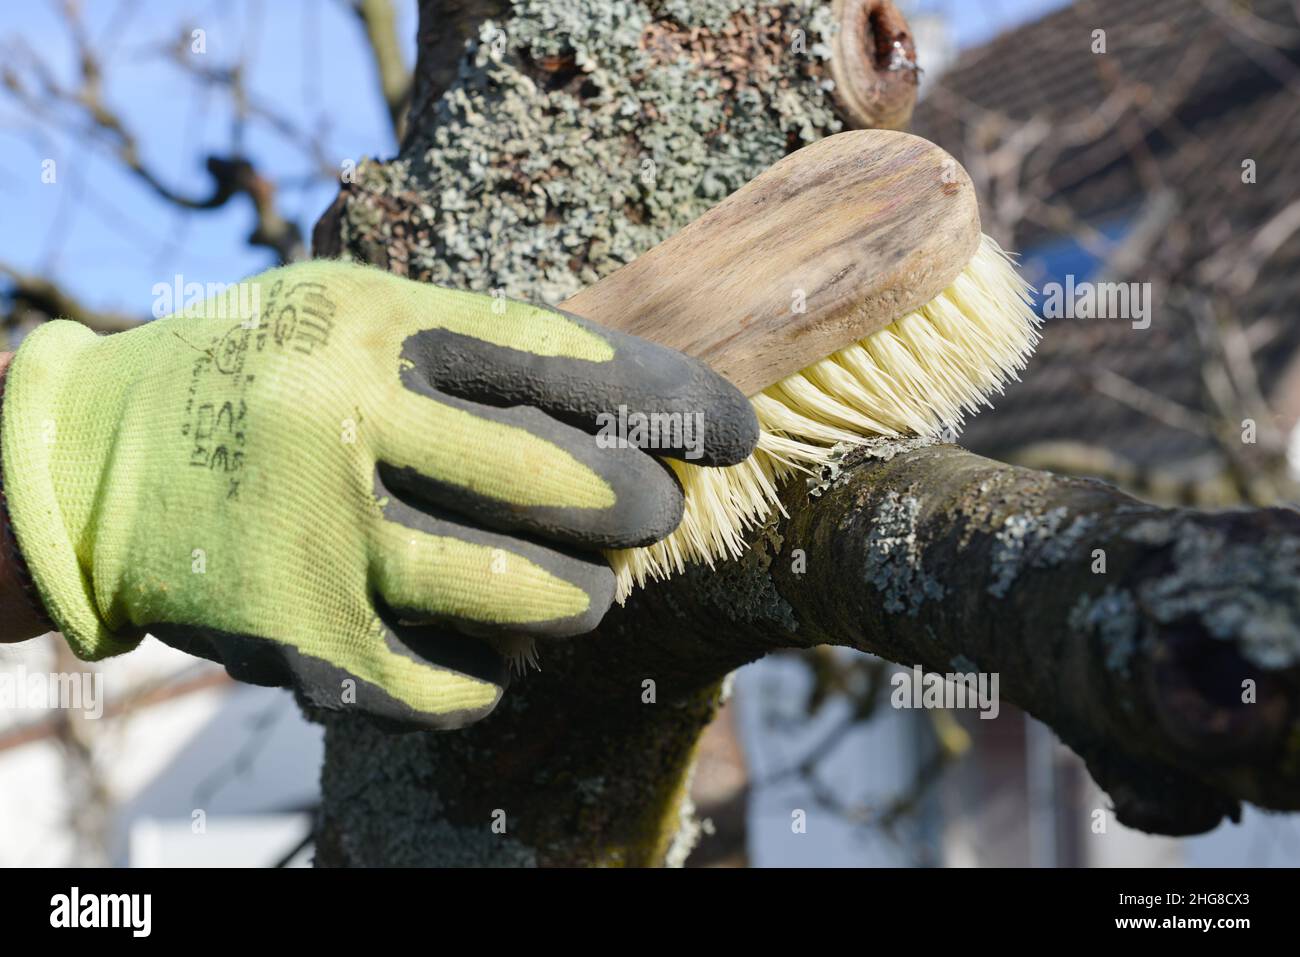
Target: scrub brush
{"type": "Point", "coordinates": [849, 291]}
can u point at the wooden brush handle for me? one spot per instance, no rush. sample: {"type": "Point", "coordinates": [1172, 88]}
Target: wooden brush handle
{"type": "Point", "coordinates": [862, 227]}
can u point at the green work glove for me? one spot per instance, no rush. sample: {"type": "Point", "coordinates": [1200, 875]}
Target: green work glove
{"type": "Point", "coordinates": [337, 479]}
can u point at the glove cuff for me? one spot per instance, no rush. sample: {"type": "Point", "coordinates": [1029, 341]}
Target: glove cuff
{"type": "Point", "coordinates": [9, 545]}
{"type": "Point", "coordinates": [28, 438]}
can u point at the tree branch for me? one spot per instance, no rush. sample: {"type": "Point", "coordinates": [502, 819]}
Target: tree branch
{"type": "Point", "coordinates": [955, 562]}
{"type": "Point", "coordinates": [379, 21]}
{"type": "Point", "coordinates": [445, 25]}
{"type": "Point", "coordinates": [232, 175]}
{"type": "Point", "coordinates": [952, 561]}
{"type": "Point", "coordinates": [924, 554]}
{"type": "Point", "coordinates": [873, 64]}
{"type": "Point", "coordinates": [27, 293]}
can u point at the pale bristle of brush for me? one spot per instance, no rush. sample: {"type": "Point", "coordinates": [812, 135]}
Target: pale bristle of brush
{"type": "Point", "coordinates": [519, 652]}
{"type": "Point", "coordinates": [920, 375]}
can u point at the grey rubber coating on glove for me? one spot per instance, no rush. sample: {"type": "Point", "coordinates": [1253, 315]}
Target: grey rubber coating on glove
{"type": "Point", "coordinates": [269, 663]}
{"type": "Point", "coordinates": [587, 571]}
{"type": "Point", "coordinates": [642, 377]}
{"type": "Point", "coordinates": [648, 499]}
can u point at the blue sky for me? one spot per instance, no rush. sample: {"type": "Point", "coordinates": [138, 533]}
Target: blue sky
{"type": "Point", "coordinates": [106, 237]}
{"type": "Point", "coordinates": [974, 21]}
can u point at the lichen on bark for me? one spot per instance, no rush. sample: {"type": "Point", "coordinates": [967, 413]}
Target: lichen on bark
{"type": "Point", "coordinates": [579, 133]}
{"type": "Point", "coordinates": [895, 566]}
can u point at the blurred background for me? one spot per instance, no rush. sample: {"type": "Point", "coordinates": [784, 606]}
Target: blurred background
{"type": "Point", "coordinates": [1154, 142]}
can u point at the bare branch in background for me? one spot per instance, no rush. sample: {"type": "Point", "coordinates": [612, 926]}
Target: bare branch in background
{"type": "Point", "coordinates": [1150, 403]}
{"type": "Point", "coordinates": [1235, 269]}
{"type": "Point", "coordinates": [232, 175]}
{"type": "Point", "coordinates": [379, 21]}
{"type": "Point", "coordinates": [27, 293]}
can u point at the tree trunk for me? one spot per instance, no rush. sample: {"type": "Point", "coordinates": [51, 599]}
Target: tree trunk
{"type": "Point", "coordinates": [577, 134]}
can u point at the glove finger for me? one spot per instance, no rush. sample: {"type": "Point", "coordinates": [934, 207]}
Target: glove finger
{"type": "Point", "coordinates": [519, 470]}
{"type": "Point", "coordinates": [434, 569]}
{"type": "Point", "coordinates": [590, 377]}
{"type": "Point", "coordinates": [459, 680]}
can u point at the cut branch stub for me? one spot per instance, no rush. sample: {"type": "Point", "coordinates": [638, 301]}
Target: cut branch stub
{"type": "Point", "coordinates": [873, 64]}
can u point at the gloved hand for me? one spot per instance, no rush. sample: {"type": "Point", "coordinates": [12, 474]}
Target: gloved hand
{"type": "Point", "coordinates": [339, 479]}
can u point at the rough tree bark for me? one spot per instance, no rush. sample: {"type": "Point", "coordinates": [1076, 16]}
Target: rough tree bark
{"type": "Point", "coordinates": [576, 134]}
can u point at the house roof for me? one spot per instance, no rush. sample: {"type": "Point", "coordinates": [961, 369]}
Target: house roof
{"type": "Point", "coordinates": [1163, 120]}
